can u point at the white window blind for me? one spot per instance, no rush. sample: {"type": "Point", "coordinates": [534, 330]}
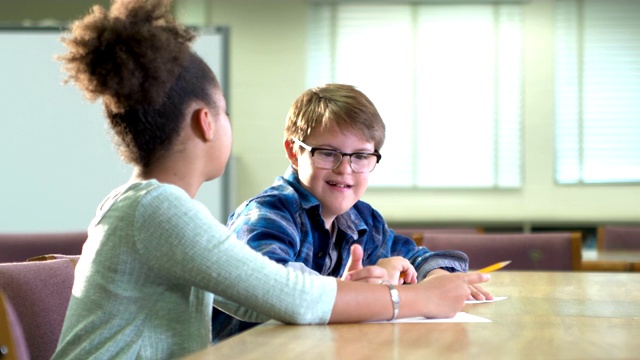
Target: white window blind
{"type": "Point", "coordinates": [597, 91]}
{"type": "Point", "coordinates": [446, 79]}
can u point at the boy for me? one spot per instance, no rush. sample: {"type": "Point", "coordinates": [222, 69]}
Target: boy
{"type": "Point", "coordinates": [311, 217]}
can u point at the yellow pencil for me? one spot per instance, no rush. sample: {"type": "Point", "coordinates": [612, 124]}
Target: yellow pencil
{"type": "Point", "coordinates": [494, 267]}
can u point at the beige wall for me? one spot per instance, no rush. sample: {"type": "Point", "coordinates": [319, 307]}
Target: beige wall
{"type": "Point", "coordinates": [267, 72]}
{"type": "Point", "coordinates": [43, 12]}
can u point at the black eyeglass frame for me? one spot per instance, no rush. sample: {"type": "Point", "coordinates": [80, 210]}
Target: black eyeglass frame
{"type": "Point", "coordinates": [313, 150]}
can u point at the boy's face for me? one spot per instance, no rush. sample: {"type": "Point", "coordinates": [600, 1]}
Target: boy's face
{"type": "Point", "coordinates": [338, 189]}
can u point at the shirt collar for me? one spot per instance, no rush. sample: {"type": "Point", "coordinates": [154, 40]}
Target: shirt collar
{"type": "Point", "coordinates": [307, 200]}
{"type": "Point", "coordinates": [350, 222]}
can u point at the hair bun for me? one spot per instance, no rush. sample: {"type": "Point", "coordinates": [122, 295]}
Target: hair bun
{"type": "Point", "coordinates": [130, 55]}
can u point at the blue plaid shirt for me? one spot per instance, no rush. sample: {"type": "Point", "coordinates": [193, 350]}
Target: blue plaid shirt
{"type": "Point", "coordinates": [283, 222]}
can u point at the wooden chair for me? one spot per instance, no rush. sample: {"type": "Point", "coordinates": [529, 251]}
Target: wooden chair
{"type": "Point", "coordinates": [417, 233]}
{"type": "Point", "coordinates": [40, 292]}
{"type": "Point", "coordinates": [18, 247]}
{"type": "Point", "coordinates": [537, 251]}
{"type": "Point", "coordinates": [607, 266]}
{"type": "Point", "coordinates": [617, 237]}
{"type": "Point", "coordinates": [72, 258]}
{"type": "Point", "coordinates": [13, 345]}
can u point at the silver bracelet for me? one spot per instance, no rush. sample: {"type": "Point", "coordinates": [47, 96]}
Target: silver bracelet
{"type": "Point", "coordinates": [395, 298]}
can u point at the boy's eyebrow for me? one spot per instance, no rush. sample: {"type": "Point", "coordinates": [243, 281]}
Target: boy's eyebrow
{"type": "Point", "coordinates": [329, 146]}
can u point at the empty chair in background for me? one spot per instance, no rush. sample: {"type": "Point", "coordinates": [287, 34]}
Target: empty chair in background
{"type": "Point", "coordinates": [73, 258]}
{"type": "Point", "coordinates": [19, 247]}
{"type": "Point", "coordinates": [416, 233]}
{"type": "Point", "coordinates": [553, 251]}
{"type": "Point", "coordinates": [39, 292]}
{"type": "Point", "coordinates": [618, 237]}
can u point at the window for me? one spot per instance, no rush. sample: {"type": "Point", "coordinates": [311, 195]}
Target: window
{"type": "Point", "coordinates": [597, 92]}
{"type": "Point", "coordinates": [446, 79]}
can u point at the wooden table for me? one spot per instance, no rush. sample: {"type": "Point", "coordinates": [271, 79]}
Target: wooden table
{"type": "Point", "coordinates": [547, 315]}
{"type": "Point", "coordinates": [611, 260]}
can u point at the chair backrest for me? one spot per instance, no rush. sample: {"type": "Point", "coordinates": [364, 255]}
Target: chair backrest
{"type": "Point", "coordinates": [617, 237]}
{"type": "Point", "coordinates": [73, 258]}
{"type": "Point", "coordinates": [40, 292]}
{"type": "Point", "coordinates": [13, 345]}
{"type": "Point", "coordinates": [18, 247]}
{"type": "Point", "coordinates": [416, 233]}
{"type": "Point", "coordinates": [536, 251]}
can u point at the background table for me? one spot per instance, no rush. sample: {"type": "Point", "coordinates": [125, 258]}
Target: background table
{"type": "Point", "coordinates": [611, 260]}
{"type": "Point", "coordinates": [548, 315]}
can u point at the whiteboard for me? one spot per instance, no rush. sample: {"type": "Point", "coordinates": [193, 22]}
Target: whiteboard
{"type": "Point", "coordinates": [57, 161]}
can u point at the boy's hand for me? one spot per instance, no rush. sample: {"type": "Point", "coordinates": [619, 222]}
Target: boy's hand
{"type": "Point", "coordinates": [399, 270]}
{"type": "Point", "coordinates": [355, 272]}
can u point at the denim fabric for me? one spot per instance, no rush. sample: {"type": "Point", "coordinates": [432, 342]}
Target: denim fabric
{"type": "Point", "coordinates": [283, 222]}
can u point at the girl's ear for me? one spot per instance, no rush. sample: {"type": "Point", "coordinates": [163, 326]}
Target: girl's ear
{"type": "Point", "coordinates": [203, 123]}
{"type": "Point", "coordinates": [291, 154]}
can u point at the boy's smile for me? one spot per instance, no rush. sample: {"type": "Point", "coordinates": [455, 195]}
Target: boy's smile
{"type": "Point", "coordinates": [340, 185]}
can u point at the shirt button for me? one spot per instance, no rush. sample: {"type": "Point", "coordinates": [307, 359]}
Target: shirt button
{"type": "Point", "coordinates": [320, 254]}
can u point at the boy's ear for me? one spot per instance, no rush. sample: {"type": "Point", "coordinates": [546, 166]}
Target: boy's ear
{"type": "Point", "coordinates": [291, 154]}
{"type": "Point", "coordinates": [203, 123]}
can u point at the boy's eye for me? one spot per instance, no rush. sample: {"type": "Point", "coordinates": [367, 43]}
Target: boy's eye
{"type": "Point", "coordinates": [326, 153]}
{"type": "Point", "coordinates": [360, 157]}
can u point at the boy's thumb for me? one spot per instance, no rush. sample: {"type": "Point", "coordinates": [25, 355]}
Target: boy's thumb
{"type": "Point", "coordinates": [355, 258]}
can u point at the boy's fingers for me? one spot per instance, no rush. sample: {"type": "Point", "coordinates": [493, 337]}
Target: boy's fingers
{"type": "Point", "coordinates": [409, 277]}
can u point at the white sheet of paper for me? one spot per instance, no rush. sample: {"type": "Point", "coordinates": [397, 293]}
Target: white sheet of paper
{"type": "Point", "coordinates": [495, 298]}
{"type": "Point", "coordinates": [458, 318]}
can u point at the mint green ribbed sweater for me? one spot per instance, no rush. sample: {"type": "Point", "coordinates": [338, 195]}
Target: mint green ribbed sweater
{"type": "Point", "coordinates": [154, 261]}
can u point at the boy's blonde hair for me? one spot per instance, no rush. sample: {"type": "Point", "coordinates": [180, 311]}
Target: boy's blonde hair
{"type": "Point", "coordinates": [335, 104]}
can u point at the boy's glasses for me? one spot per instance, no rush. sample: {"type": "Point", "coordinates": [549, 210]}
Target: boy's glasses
{"type": "Point", "coordinates": [330, 159]}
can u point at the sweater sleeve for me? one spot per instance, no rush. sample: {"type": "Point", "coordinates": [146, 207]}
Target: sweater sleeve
{"type": "Point", "coordinates": [180, 239]}
{"type": "Point", "coordinates": [425, 260]}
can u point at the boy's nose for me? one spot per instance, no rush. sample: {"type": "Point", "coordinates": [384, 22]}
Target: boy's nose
{"type": "Point", "coordinates": [344, 166]}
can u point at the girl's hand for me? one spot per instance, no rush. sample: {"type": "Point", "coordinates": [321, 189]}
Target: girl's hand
{"type": "Point", "coordinates": [476, 292]}
{"type": "Point", "coordinates": [479, 293]}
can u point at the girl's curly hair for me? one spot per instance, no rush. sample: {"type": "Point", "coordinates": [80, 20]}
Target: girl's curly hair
{"type": "Point", "coordinates": [138, 61]}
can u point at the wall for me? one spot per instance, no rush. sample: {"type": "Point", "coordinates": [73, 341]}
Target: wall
{"type": "Point", "coordinates": [44, 11]}
{"type": "Point", "coordinates": [57, 159]}
{"type": "Point", "coordinates": [268, 72]}
{"type": "Point", "coordinates": [267, 64]}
